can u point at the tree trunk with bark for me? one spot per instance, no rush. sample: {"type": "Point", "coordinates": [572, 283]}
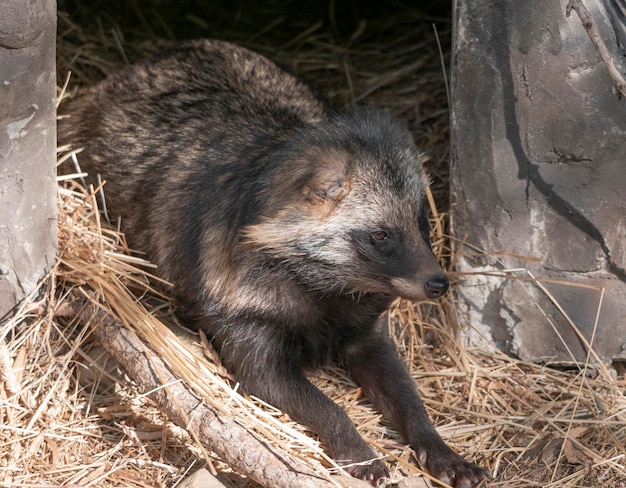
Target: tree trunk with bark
{"type": "Point", "coordinates": [538, 176]}
{"type": "Point", "coordinates": [28, 190]}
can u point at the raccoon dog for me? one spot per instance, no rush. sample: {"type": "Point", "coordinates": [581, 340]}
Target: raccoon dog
{"type": "Point", "coordinates": [286, 229]}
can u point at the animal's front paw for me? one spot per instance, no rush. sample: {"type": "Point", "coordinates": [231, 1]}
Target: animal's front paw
{"type": "Point", "coordinates": [447, 466]}
{"type": "Point", "coordinates": [374, 472]}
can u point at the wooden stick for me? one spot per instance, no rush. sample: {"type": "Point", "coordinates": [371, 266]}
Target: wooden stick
{"type": "Point", "coordinates": [232, 443]}
{"type": "Point", "coordinates": [594, 35]}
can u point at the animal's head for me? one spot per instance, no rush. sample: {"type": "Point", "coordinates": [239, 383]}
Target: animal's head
{"type": "Point", "coordinates": [347, 212]}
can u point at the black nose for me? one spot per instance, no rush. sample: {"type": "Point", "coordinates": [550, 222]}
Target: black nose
{"type": "Point", "coordinates": [436, 287]}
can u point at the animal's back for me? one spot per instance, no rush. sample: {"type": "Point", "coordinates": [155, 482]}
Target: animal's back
{"type": "Point", "coordinates": [193, 120]}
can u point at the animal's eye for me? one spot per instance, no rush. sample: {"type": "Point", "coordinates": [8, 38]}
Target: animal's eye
{"type": "Point", "coordinates": [379, 235]}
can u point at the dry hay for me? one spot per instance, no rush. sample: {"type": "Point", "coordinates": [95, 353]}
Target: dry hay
{"type": "Point", "coordinates": [66, 425]}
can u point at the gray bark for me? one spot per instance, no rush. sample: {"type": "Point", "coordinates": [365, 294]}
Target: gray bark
{"type": "Point", "coordinates": [539, 169]}
{"type": "Point", "coordinates": [28, 216]}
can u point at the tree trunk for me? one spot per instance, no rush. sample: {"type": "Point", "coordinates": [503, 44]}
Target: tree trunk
{"type": "Point", "coordinates": [538, 170]}
{"type": "Point", "coordinates": [28, 212]}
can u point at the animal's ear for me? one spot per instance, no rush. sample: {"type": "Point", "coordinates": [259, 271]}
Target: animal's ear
{"type": "Point", "coordinates": [329, 181]}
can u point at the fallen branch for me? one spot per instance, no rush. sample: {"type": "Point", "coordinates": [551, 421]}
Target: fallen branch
{"type": "Point", "coordinates": [232, 443]}
{"type": "Point", "coordinates": [596, 39]}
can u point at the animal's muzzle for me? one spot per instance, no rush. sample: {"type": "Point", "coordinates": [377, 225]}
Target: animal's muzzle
{"type": "Point", "coordinates": [436, 287]}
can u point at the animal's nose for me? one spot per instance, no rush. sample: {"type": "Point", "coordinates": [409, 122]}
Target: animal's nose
{"type": "Point", "coordinates": [436, 287]}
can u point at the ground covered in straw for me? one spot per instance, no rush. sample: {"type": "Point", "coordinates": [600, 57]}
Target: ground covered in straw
{"type": "Point", "coordinates": [70, 417]}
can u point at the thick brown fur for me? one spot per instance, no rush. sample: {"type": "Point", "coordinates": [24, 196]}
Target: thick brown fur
{"type": "Point", "coordinates": [286, 229]}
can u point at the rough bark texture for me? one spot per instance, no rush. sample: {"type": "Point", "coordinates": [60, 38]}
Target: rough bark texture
{"type": "Point", "coordinates": [227, 439]}
{"type": "Point", "coordinates": [28, 222]}
{"type": "Point", "coordinates": [538, 169]}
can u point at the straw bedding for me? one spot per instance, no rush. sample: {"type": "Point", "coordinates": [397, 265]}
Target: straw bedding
{"type": "Point", "coordinates": [69, 415]}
